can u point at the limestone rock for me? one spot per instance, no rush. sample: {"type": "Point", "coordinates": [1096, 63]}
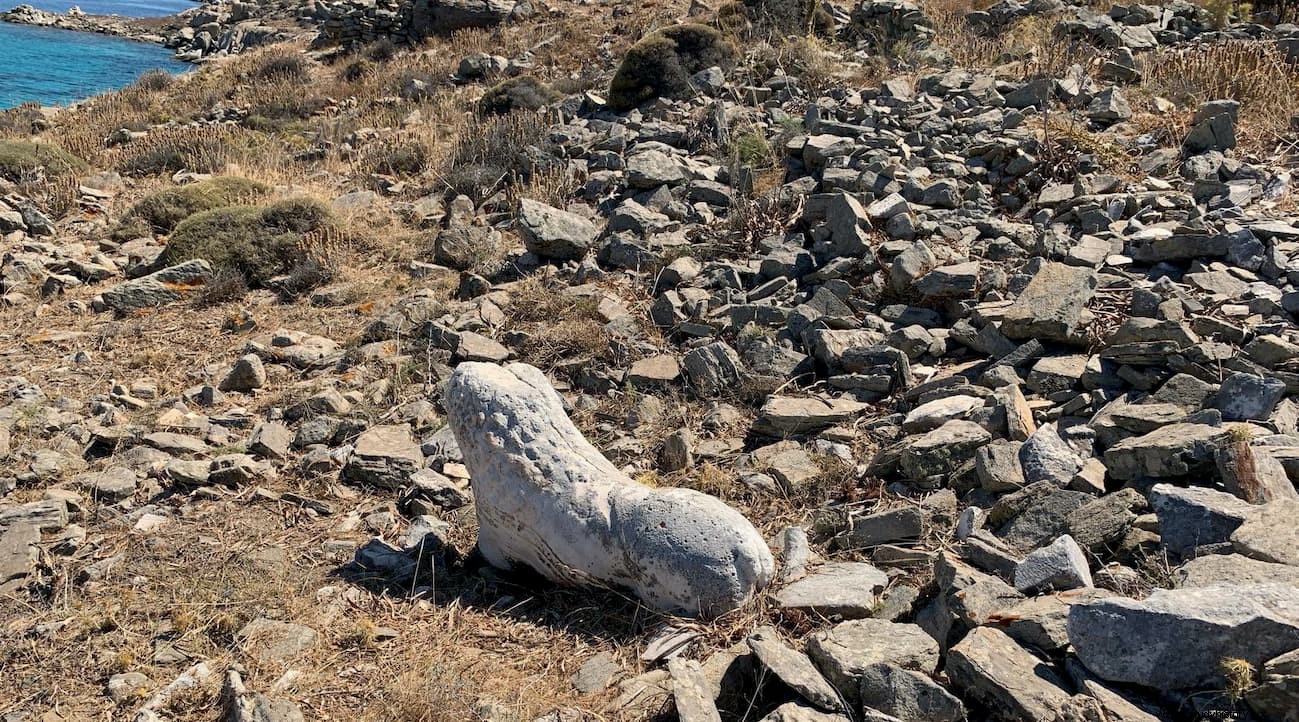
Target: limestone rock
{"type": "Point", "coordinates": [247, 374]}
{"type": "Point", "coordinates": [1060, 565]}
{"type": "Point", "coordinates": [1271, 534]}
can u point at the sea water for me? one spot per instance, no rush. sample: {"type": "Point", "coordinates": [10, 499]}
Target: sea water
{"type": "Point", "coordinates": [52, 66]}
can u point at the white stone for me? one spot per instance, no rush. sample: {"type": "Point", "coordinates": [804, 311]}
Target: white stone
{"type": "Point", "coordinates": [547, 499]}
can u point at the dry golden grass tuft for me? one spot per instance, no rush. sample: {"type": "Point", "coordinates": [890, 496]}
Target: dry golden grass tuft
{"type": "Point", "coordinates": [1255, 73]}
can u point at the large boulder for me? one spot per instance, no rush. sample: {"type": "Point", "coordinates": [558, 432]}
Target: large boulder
{"type": "Point", "coordinates": [548, 500]}
{"type": "Point", "coordinates": [1178, 638]}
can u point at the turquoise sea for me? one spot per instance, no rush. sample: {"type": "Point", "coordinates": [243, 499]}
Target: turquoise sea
{"type": "Point", "coordinates": [50, 66]}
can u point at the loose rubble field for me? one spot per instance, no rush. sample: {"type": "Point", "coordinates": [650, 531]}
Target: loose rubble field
{"type": "Point", "coordinates": [984, 318]}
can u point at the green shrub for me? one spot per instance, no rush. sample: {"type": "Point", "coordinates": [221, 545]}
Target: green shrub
{"type": "Point", "coordinates": [160, 212]}
{"type": "Point", "coordinates": [660, 65]}
{"type": "Point", "coordinates": [751, 148]}
{"type": "Point", "coordinates": [504, 150]}
{"type": "Point", "coordinates": [20, 160]}
{"type": "Point", "coordinates": [259, 242]}
{"type": "Point", "coordinates": [522, 93]}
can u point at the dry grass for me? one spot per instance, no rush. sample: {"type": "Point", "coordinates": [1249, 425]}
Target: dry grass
{"type": "Point", "coordinates": [1253, 73]}
{"type": "Point", "coordinates": [1029, 47]}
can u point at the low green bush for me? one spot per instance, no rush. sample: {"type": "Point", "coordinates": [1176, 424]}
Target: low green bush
{"type": "Point", "coordinates": [660, 65]}
{"type": "Point", "coordinates": [20, 160]}
{"type": "Point", "coordinates": [522, 93]}
{"type": "Point", "coordinates": [160, 212]}
{"type": "Point", "coordinates": [259, 242]}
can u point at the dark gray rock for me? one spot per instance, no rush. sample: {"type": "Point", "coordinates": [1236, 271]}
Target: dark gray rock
{"type": "Point", "coordinates": [990, 668]}
{"type": "Point", "coordinates": [1053, 305]}
{"type": "Point", "coordinates": [794, 669]}
{"type": "Point", "coordinates": [554, 233]}
{"type": "Point", "coordinates": [845, 651]}
{"type": "Point", "coordinates": [1194, 517]}
{"type": "Point", "coordinates": [907, 695]}
{"type": "Point", "coordinates": [1247, 397]}
{"type": "Point", "coordinates": [1177, 639]}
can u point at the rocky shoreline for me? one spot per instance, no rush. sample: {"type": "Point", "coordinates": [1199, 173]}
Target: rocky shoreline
{"type": "Point", "coordinates": [195, 34]}
{"type": "Point", "coordinates": [116, 25]}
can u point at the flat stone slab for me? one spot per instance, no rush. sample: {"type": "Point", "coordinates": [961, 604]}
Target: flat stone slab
{"type": "Point", "coordinates": [848, 589]}
{"type": "Point", "coordinates": [794, 669]}
{"type": "Point", "coordinates": [1271, 534]}
{"type": "Point", "coordinates": [272, 640]}
{"type": "Point", "coordinates": [845, 651]}
{"type": "Point", "coordinates": [1053, 305]}
{"type": "Point", "coordinates": [1010, 681]}
{"type": "Point", "coordinates": [1177, 638]}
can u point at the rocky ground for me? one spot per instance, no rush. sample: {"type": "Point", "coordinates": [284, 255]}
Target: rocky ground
{"type": "Point", "coordinates": [984, 319]}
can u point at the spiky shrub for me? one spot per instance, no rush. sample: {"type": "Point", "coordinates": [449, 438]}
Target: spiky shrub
{"type": "Point", "coordinates": [198, 149]}
{"type": "Point", "coordinates": [411, 157]}
{"type": "Point", "coordinates": [522, 93]}
{"type": "Point", "coordinates": [279, 112]}
{"type": "Point", "coordinates": [160, 212]}
{"type": "Point", "coordinates": [258, 242]}
{"type": "Point", "coordinates": [381, 51]}
{"type": "Point", "coordinates": [660, 65]}
{"type": "Point", "coordinates": [22, 160]}
{"type": "Point", "coordinates": [1238, 675]}
{"type": "Point", "coordinates": [751, 148]}
{"type": "Point", "coordinates": [155, 80]}
{"type": "Point", "coordinates": [495, 156]}
{"type": "Point", "coordinates": [282, 66]}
